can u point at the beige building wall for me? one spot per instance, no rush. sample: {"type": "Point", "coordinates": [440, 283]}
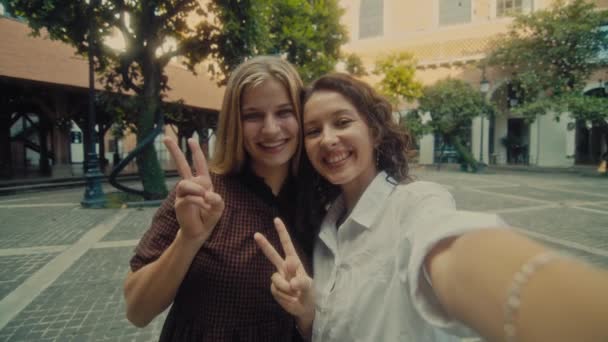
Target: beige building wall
{"type": "Point", "coordinates": [452, 50]}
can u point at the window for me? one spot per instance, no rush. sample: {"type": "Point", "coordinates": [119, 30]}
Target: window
{"type": "Point", "coordinates": [506, 8]}
{"type": "Point", "coordinates": [371, 18]}
{"type": "Point", "coordinates": [453, 12]}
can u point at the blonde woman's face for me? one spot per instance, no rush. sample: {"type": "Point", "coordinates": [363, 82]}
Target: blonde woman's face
{"type": "Point", "coordinates": [270, 126]}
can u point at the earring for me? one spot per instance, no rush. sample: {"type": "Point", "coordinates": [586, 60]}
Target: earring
{"type": "Point", "coordinates": [377, 158]}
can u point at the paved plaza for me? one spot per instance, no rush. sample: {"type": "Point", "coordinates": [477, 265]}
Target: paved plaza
{"type": "Point", "coordinates": [62, 267]}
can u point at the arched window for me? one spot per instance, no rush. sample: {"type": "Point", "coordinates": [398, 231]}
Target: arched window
{"type": "Point", "coordinates": [371, 18]}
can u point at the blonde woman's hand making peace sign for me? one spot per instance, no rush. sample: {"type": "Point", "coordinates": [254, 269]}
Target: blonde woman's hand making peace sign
{"type": "Point", "coordinates": [290, 285]}
{"type": "Point", "coordinates": [197, 207]}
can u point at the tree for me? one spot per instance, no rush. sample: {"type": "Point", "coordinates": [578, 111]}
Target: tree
{"type": "Point", "coordinates": [308, 33]}
{"type": "Point", "coordinates": [353, 65]}
{"type": "Point", "coordinates": [157, 31]}
{"type": "Point", "coordinates": [452, 105]}
{"type": "Point", "coordinates": [398, 83]}
{"type": "Point", "coordinates": [551, 53]}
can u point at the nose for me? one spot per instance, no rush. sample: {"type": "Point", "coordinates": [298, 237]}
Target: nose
{"type": "Point", "coordinates": [329, 138]}
{"type": "Point", "coordinates": [271, 125]}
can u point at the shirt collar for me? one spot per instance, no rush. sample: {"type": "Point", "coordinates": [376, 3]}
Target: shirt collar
{"type": "Point", "coordinates": [372, 201]}
{"type": "Point", "coordinates": [365, 212]}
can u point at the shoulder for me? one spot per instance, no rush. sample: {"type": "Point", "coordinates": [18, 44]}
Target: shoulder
{"type": "Point", "coordinates": [419, 190]}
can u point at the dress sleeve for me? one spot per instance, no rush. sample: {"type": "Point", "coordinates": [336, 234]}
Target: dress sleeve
{"type": "Point", "coordinates": [436, 218]}
{"type": "Point", "coordinates": [159, 236]}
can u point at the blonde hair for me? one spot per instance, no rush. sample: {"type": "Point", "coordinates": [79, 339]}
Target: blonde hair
{"type": "Point", "coordinates": [229, 154]}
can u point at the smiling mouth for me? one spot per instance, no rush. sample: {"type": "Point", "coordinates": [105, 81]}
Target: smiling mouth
{"type": "Point", "coordinates": [273, 146]}
{"type": "Point", "coordinates": [337, 159]}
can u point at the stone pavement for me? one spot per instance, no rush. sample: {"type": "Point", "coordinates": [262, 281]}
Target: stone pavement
{"type": "Point", "coordinates": [62, 267]}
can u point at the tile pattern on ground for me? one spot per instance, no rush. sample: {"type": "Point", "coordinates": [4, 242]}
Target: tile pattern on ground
{"type": "Point", "coordinates": [84, 304]}
{"type": "Point", "coordinates": [14, 269]}
{"type": "Point", "coordinates": [133, 226]}
{"type": "Point", "coordinates": [47, 226]}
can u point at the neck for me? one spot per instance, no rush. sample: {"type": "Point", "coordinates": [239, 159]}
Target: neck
{"type": "Point", "coordinates": [354, 190]}
{"type": "Point", "coordinates": [273, 177]}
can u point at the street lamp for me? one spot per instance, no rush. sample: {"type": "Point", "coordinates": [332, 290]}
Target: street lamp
{"type": "Point", "coordinates": [484, 87]}
{"type": "Point", "coordinates": [93, 194]}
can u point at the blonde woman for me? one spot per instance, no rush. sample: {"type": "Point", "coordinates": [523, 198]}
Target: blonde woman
{"type": "Point", "coordinates": [199, 254]}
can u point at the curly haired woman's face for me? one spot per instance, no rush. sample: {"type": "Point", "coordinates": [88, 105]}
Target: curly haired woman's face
{"type": "Point", "coordinates": [338, 140]}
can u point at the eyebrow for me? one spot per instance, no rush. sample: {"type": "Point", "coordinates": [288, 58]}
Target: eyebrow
{"type": "Point", "coordinates": [333, 114]}
{"type": "Point", "coordinates": [279, 107]}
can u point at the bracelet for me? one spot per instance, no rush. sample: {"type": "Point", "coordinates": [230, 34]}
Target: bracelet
{"type": "Point", "coordinates": [520, 279]}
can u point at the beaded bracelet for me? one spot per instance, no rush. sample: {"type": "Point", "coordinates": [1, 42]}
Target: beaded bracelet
{"type": "Point", "coordinates": [520, 279]}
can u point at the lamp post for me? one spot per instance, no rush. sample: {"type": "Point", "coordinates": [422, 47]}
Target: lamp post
{"type": "Point", "coordinates": [484, 87]}
{"type": "Point", "coordinates": [93, 194]}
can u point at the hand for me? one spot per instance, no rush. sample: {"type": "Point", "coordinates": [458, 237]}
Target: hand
{"type": "Point", "coordinates": [197, 207]}
{"type": "Point", "coordinates": [291, 286]}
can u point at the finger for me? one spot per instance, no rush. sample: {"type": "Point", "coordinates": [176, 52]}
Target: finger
{"type": "Point", "coordinates": [269, 251]}
{"type": "Point", "coordinates": [213, 198]}
{"type": "Point", "coordinates": [285, 238]}
{"type": "Point", "coordinates": [290, 266]}
{"type": "Point", "coordinates": [195, 200]}
{"type": "Point", "coordinates": [300, 283]}
{"type": "Point", "coordinates": [186, 187]}
{"type": "Point", "coordinates": [178, 157]}
{"type": "Point", "coordinates": [280, 282]}
{"type": "Point", "coordinates": [200, 162]}
{"type": "Point", "coordinates": [282, 296]}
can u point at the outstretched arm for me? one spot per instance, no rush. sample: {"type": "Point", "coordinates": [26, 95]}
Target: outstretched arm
{"type": "Point", "coordinates": [563, 300]}
{"type": "Point", "coordinates": [151, 289]}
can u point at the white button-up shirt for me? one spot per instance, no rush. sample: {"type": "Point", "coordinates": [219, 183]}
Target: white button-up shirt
{"type": "Point", "coordinates": [368, 273]}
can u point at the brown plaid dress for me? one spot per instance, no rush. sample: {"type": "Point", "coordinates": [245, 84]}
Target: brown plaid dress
{"type": "Point", "coordinates": [225, 296]}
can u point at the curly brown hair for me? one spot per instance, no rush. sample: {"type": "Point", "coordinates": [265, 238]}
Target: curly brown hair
{"type": "Point", "coordinates": [393, 141]}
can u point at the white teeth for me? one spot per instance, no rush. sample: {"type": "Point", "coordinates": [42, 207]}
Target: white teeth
{"type": "Point", "coordinates": [338, 157]}
{"type": "Point", "coordinates": [273, 144]}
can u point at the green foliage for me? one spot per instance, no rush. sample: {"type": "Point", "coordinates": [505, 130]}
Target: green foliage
{"type": "Point", "coordinates": [354, 65]}
{"type": "Point", "coordinates": [240, 29]}
{"type": "Point", "coordinates": [552, 52]}
{"type": "Point", "coordinates": [592, 109]}
{"type": "Point", "coordinates": [308, 34]}
{"type": "Point", "coordinates": [413, 122]}
{"type": "Point", "coordinates": [452, 105]}
{"type": "Point", "coordinates": [398, 81]}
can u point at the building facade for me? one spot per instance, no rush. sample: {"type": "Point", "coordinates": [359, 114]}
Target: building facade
{"type": "Point", "coordinates": [448, 37]}
{"type": "Point", "coordinates": [44, 100]}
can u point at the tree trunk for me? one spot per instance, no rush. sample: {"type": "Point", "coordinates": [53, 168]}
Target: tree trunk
{"type": "Point", "coordinates": [464, 153]}
{"type": "Point", "coordinates": [150, 171]}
